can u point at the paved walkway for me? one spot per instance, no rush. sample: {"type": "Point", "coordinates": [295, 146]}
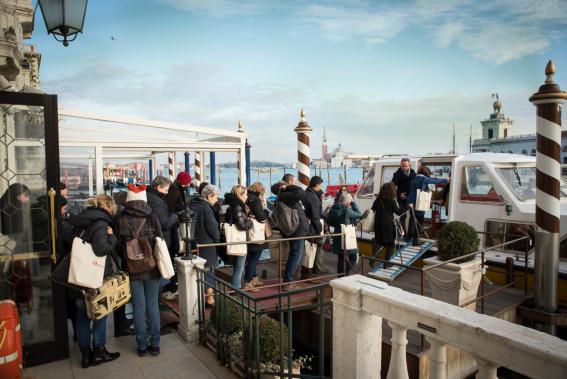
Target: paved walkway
{"type": "Point", "coordinates": [177, 360]}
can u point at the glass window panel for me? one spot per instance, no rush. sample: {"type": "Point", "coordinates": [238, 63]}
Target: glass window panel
{"type": "Point", "coordinates": [477, 186]}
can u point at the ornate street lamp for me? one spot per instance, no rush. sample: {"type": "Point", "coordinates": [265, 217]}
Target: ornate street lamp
{"type": "Point", "coordinates": [64, 18]}
{"type": "Point", "coordinates": [187, 223]}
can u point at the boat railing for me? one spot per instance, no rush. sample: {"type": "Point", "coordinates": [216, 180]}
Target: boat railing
{"type": "Point", "coordinates": [510, 283]}
{"type": "Point", "coordinates": [360, 304]}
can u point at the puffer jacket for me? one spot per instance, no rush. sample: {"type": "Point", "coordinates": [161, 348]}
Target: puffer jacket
{"type": "Point", "coordinates": [257, 210]}
{"type": "Point", "coordinates": [313, 211]}
{"type": "Point", "coordinates": [133, 214]}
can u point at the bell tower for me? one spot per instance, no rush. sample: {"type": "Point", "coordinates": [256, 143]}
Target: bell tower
{"type": "Point", "coordinates": [496, 126]}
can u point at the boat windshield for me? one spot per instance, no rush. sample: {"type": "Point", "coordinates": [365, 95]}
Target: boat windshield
{"type": "Point", "coordinates": [522, 181]}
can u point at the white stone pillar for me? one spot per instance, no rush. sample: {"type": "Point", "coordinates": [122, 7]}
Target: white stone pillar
{"type": "Point", "coordinates": [398, 365]}
{"type": "Point", "coordinates": [437, 359]}
{"type": "Point", "coordinates": [357, 337]}
{"type": "Point", "coordinates": [486, 369]}
{"type": "Point", "coordinates": [188, 327]}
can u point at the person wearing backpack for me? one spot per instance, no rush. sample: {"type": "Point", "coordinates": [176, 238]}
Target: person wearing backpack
{"type": "Point", "coordinates": [93, 226]}
{"type": "Point", "coordinates": [138, 228]}
{"type": "Point", "coordinates": [422, 182]}
{"type": "Point", "coordinates": [289, 208]}
{"type": "Point", "coordinates": [157, 201]}
{"type": "Point", "coordinates": [343, 212]}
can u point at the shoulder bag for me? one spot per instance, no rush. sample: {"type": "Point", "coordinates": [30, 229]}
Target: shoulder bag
{"type": "Point", "coordinates": [232, 234]}
{"type": "Point", "coordinates": [85, 268]}
{"type": "Point", "coordinates": [163, 259]}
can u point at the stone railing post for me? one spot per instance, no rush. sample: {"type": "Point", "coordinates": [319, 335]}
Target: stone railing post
{"type": "Point", "coordinates": [398, 366]}
{"type": "Point", "coordinates": [357, 335]}
{"type": "Point", "coordinates": [188, 327]}
{"type": "Point", "coordinates": [437, 359]}
{"type": "Point", "coordinates": [486, 369]}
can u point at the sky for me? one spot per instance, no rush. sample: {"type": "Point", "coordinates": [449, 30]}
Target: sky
{"type": "Point", "coordinates": [383, 77]}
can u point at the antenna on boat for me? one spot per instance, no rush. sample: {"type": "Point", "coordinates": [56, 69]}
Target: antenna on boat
{"type": "Point", "coordinates": [470, 141]}
{"type": "Point", "coordinates": [453, 151]}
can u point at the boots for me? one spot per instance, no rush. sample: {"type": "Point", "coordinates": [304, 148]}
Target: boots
{"type": "Point", "coordinates": [85, 357]}
{"type": "Point", "coordinates": [306, 273]}
{"type": "Point", "coordinates": [101, 355]}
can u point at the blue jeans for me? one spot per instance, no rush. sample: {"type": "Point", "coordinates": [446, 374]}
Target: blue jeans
{"type": "Point", "coordinates": [251, 261]}
{"type": "Point", "coordinates": [83, 325]}
{"type": "Point", "coordinates": [295, 253]}
{"type": "Point", "coordinates": [145, 303]}
{"type": "Point", "coordinates": [238, 270]}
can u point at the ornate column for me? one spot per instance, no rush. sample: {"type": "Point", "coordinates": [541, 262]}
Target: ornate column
{"type": "Point", "coordinates": [437, 359]}
{"type": "Point", "coordinates": [548, 101]}
{"type": "Point", "coordinates": [486, 369]}
{"type": "Point", "coordinates": [398, 365]}
{"type": "Point", "coordinates": [303, 152]}
{"type": "Point", "coordinates": [188, 327]}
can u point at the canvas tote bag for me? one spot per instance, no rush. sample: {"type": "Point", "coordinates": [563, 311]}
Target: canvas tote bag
{"type": "Point", "coordinates": [258, 231]}
{"type": "Point", "coordinates": [349, 240]}
{"type": "Point", "coordinates": [368, 222]}
{"type": "Point", "coordinates": [163, 259]}
{"type": "Point", "coordinates": [232, 234]}
{"type": "Point", "coordinates": [85, 268]}
{"type": "Point", "coordinates": [309, 254]}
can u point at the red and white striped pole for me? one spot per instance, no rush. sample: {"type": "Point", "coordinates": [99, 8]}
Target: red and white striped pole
{"type": "Point", "coordinates": [548, 101]}
{"type": "Point", "coordinates": [303, 151]}
{"type": "Point", "coordinates": [170, 167]}
{"type": "Point", "coordinates": [198, 169]}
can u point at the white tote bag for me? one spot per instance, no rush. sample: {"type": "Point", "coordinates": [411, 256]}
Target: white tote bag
{"type": "Point", "coordinates": [163, 259]}
{"type": "Point", "coordinates": [258, 231]}
{"type": "Point", "coordinates": [368, 222]}
{"type": "Point", "coordinates": [234, 235]}
{"type": "Point", "coordinates": [85, 268]}
{"type": "Point", "coordinates": [349, 240]}
{"type": "Point", "coordinates": [422, 201]}
{"type": "Point", "coordinates": [309, 254]}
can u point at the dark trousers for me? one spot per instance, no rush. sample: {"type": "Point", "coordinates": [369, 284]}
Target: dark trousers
{"type": "Point", "coordinates": [120, 321]}
{"type": "Point", "coordinates": [413, 234]}
{"type": "Point", "coordinates": [173, 251]}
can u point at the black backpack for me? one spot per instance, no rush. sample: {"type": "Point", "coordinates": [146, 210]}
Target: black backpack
{"type": "Point", "coordinates": [286, 218]}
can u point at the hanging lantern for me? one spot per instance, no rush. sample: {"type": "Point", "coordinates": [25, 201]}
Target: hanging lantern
{"type": "Point", "coordinates": [64, 18]}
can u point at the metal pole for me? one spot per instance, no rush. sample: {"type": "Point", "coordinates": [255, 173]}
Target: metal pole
{"type": "Point", "coordinates": [151, 169]}
{"type": "Point", "coordinates": [548, 101]}
{"type": "Point", "coordinates": [213, 167]}
{"type": "Point", "coordinates": [303, 151]}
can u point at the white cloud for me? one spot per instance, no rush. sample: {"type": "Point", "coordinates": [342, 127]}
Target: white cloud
{"type": "Point", "coordinates": [221, 8]}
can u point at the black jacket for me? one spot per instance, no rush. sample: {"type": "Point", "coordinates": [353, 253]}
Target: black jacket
{"type": "Point", "coordinates": [292, 197]}
{"type": "Point", "coordinates": [257, 210]}
{"type": "Point", "coordinates": [236, 213]}
{"type": "Point", "coordinates": [167, 220]}
{"type": "Point", "coordinates": [93, 224]}
{"type": "Point", "coordinates": [206, 229]}
{"type": "Point", "coordinates": [313, 210]}
{"type": "Point", "coordinates": [403, 183]}
{"type": "Point", "coordinates": [175, 198]}
{"type": "Point", "coordinates": [384, 231]}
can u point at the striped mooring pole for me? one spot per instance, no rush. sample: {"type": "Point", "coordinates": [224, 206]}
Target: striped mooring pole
{"type": "Point", "coordinates": [170, 167]}
{"type": "Point", "coordinates": [303, 151]}
{"type": "Point", "coordinates": [548, 101]}
{"type": "Point", "coordinates": [197, 169]}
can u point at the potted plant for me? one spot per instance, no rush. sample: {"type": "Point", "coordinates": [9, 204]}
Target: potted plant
{"type": "Point", "coordinates": [455, 282]}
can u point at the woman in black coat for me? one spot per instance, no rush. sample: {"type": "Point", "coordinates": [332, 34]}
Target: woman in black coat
{"type": "Point", "coordinates": [384, 207]}
{"type": "Point", "coordinates": [94, 227]}
{"type": "Point", "coordinates": [237, 214]}
{"type": "Point", "coordinates": [255, 202]}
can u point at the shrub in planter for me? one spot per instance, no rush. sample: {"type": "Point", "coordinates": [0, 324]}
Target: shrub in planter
{"type": "Point", "coordinates": [230, 316]}
{"type": "Point", "coordinates": [456, 239]}
{"type": "Point", "coordinates": [269, 330]}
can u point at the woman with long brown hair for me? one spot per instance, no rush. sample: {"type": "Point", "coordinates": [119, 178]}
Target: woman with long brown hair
{"type": "Point", "coordinates": [238, 214]}
{"type": "Point", "coordinates": [256, 196]}
{"type": "Point", "coordinates": [384, 207]}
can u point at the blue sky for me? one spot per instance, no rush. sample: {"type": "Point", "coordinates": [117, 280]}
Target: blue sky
{"type": "Point", "coordinates": [382, 76]}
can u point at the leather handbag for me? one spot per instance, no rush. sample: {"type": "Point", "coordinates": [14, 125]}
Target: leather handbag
{"type": "Point", "coordinates": [232, 234]}
{"type": "Point", "coordinates": [85, 269]}
{"type": "Point", "coordinates": [258, 231]}
{"type": "Point", "coordinates": [111, 295]}
{"type": "Point", "coordinates": [163, 259]}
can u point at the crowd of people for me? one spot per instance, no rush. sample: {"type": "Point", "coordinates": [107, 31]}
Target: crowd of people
{"type": "Point", "coordinates": [110, 223]}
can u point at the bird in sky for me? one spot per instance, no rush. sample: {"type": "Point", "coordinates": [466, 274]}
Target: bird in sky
{"type": "Point", "coordinates": [112, 38]}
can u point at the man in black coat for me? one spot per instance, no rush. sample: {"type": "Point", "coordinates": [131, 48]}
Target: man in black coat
{"type": "Point", "coordinates": [402, 179]}
{"type": "Point", "coordinates": [292, 195]}
{"type": "Point", "coordinates": [314, 212]}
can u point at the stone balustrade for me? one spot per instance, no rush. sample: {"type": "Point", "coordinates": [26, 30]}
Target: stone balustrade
{"type": "Point", "coordinates": [360, 304]}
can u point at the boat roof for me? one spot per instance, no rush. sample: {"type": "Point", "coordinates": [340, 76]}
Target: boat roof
{"type": "Point", "coordinates": [496, 158]}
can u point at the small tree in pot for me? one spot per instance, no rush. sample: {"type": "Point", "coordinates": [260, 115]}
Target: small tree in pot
{"type": "Point", "coordinates": [455, 282]}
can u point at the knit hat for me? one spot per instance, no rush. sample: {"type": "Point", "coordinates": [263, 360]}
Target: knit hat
{"type": "Point", "coordinates": [136, 193]}
{"type": "Point", "coordinates": [184, 178]}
